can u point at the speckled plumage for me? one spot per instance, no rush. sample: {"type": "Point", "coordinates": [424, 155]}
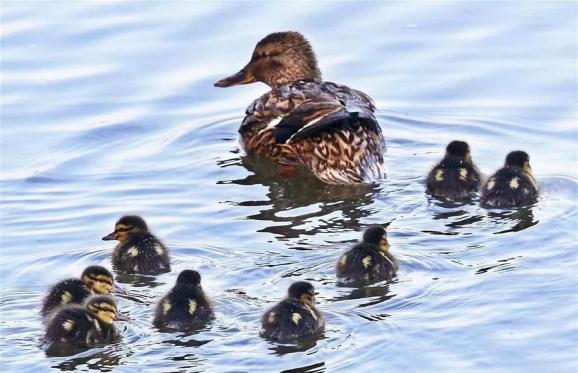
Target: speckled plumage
{"type": "Point", "coordinates": [502, 194]}
{"type": "Point", "coordinates": [356, 267]}
{"type": "Point", "coordinates": [173, 310]}
{"type": "Point", "coordinates": [141, 253]}
{"type": "Point", "coordinates": [69, 291]}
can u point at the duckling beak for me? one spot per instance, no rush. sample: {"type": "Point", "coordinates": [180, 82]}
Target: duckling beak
{"type": "Point", "coordinates": [117, 289]}
{"type": "Point", "coordinates": [120, 317]}
{"type": "Point", "coordinates": [245, 76]}
{"type": "Point", "coordinates": [109, 237]}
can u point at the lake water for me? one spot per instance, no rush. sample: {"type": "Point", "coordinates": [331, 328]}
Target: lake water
{"type": "Point", "coordinates": [108, 108]}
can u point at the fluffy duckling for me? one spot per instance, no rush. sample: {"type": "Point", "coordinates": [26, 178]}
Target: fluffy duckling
{"type": "Point", "coordinates": [512, 185]}
{"type": "Point", "coordinates": [94, 280]}
{"type": "Point", "coordinates": [84, 326]}
{"type": "Point", "coordinates": [455, 176]}
{"type": "Point", "coordinates": [295, 316]}
{"type": "Point", "coordinates": [368, 261]}
{"type": "Point", "coordinates": [185, 306]}
{"type": "Point", "coordinates": [329, 128]}
{"type": "Point", "coordinates": [138, 251]}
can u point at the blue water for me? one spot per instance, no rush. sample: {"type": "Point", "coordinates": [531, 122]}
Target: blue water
{"type": "Point", "coordinates": [108, 108]}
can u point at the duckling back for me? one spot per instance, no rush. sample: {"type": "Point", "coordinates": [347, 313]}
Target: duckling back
{"type": "Point", "coordinates": [183, 308]}
{"type": "Point", "coordinates": [291, 319]}
{"type": "Point", "coordinates": [142, 253]}
{"type": "Point", "coordinates": [365, 263]}
{"type": "Point", "coordinates": [69, 291]}
{"type": "Point", "coordinates": [453, 179]}
{"type": "Point", "coordinates": [509, 187]}
{"type": "Point", "coordinates": [74, 325]}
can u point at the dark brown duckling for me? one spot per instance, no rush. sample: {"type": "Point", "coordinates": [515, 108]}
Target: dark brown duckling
{"type": "Point", "coordinates": [455, 176]}
{"type": "Point", "coordinates": [138, 251]}
{"type": "Point", "coordinates": [84, 326]}
{"type": "Point", "coordinates": [369, 261]}
{"type": "Point", "coordinates": [295, 316]}
{"type": "Point", "coordinates": [94, 280]}
{"type": "Point", "coordinates": [329, 128]}
{"type": "Point", "coordinates": [512, 185]}
{"type": "Point", "coordinates": [185, 306]}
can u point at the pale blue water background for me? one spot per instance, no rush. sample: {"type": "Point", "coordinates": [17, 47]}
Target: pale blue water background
{"type": "Point", "coordinates": [108, 108]}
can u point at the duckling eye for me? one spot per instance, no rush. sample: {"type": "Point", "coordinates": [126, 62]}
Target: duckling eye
{"type": "Point", "coordinates": [124, 229]}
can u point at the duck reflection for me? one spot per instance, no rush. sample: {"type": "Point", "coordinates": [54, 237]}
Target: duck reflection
{"type": "Point", "coordinates": [103, 361]}
{"type": "Point", "coordinates": [137, 280]}
{"type": "Point", "coordinates": [298, 345]}
{"type": "Point", "coordinates": [292, 187]}
{"type": "Point", "coordinates": [378, 294]}
{"type": "Point", "coordinates": [522, 218]}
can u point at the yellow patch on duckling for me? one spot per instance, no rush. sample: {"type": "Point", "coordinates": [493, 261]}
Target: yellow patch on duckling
{"type": "Point", "coordinates": [66, 297]}
{"type": "Point", "coordinates": [514, 183]}
{"type": "Point", "coordinates": [135, 268]}
{"type": "Point", "coordinates": [439, 175]}
{"type": "Point", "coordinates": [271, 318]}
{"type": "Point", "coordinates": [133, 251]}
{"type": "Point", "coordinates": [67, 325]}
{"type": "Point", "coordinates": [366, 261]}
{"type": "Point", "coordinates": [159, 249]}
{"type": "Point", "coordinates": [463, 174]}
{"type": "Point", "coordinates": [296, 317]}
{"type": "Point", "coordinates": [343, 260]}
{"type": "Point", "coordinates": [192, 306]}
{"type": "Point", "coordinates": [491, 184]}
{"type": "Point", "coordinates": [166, 307]}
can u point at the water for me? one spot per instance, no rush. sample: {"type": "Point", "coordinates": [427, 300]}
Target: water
{"type": "Point", "coordinates": [108, 108]}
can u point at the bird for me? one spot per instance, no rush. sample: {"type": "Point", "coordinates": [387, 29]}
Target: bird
{"type": "Point", "coordinates": [85, 325]}
{"type": "Point", "coordinates": [456, 176]}
{"type": "Point", "coordinates": [295, 316]}
{"type": "Point", "coordinates": [138, 250]}
{"type": "Point", "coordinates": [512, 185]}
{"type": "Point", "coordinates": [329, 128]}
{"type": "Point", "coordinates": [185, 306]}
{"type": "Point", "coordinates": [369, 261]}
{"type": "Point", "coordinates": [93, 280]}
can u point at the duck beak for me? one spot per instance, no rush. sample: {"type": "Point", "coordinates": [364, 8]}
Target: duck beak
{"type": "Point", "coordinates": [117, 290]}
{"type": "Point", "coordinates": [109, 237]}
{"type": "Point", "coordinates": [120, 317]}
{"type": "Point", "coordinates": [245, 76]}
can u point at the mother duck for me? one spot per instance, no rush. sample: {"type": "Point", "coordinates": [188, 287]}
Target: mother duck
{"type": "Point", "coordinates": [329, 128]}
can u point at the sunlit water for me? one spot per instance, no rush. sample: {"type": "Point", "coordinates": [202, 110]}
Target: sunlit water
{"type": "Point", "coordinates": [108, 108]}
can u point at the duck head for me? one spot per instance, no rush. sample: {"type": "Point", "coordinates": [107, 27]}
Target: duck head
{"type": "Point", "coordinates": [519, 159]}
{"type": "Point", "coordinates": [127, 226]}
{"type": "Point", "coordinates": [376, 235]}
{"type": "Point", "coordinates": [278, 59]}
{"type": "Point", "coordinates": [188, 277]}
{"type": "Point", "coordinates": [103, 307]}
{"type": "Point", "coordinates": [459, 150]}
{"type": "Point", "coordinates": [303, 291]}
{"type": "Point", "coordinates": [98, 279]}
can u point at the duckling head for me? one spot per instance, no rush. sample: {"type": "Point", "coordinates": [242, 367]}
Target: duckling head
{"type": "Point", "coordinates": [459, 150]}
{"type": "Point", "coordinates": [99, 279]}
{"type": "Point", "coordinates": [519, 159]}
{"type": "Point", "coordinates": [303, 291]}
{"type": "Point", "coordinates": [103, 308]}
{"type": "Point", "coordinates": [376, 235]}
{"type": "Point", "coordinates": [278, 59]}
{"type": "Point", "coordinates": [126, 226]}
{"type": "Point", "coordinates": [188, 277]}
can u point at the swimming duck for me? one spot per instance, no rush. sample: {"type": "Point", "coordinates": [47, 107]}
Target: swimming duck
{"type": "Point", "coordinates": [94, 280]}
{"type": "Point", "coordinates": [329, 128]}
{"type": "Point", "coordinates": [138, 251]}
{"type": "Point", "coordinates": [455, 176]}
{"type": "Point", "coordinates": [185, 306]}
{"type": "Point", "coordinates": [295, 316]}
{"type": "Point", "coordinates": [512, 185]}
{"type": "Point", "coordinates": [84, 326]}
{"type": "Point", "coordinates": [368, 261]}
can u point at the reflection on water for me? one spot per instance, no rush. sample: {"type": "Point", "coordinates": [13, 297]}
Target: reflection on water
{"type": "Point", "coordinates": [108, 108]}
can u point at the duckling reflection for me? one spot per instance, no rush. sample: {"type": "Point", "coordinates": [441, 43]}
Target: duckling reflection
{"type": "Point", "coordinates": [295, 316]}
{"type": "Point", "coordinates": [185, 306]}
{"type": "Point", "coordinates": [302, 190]}
{"type": "Point", "coordinates": [94, 280]}
{"type": "Point", "coordinates": [369, 261]}
{"type": "Point", "coordinates": [84, 326]}
{"type": "Point", "coordinates": [522, 218]}
{"type": "Point", "coordinates": [138, 251]}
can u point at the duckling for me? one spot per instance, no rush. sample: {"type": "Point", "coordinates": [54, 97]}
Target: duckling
{"type": "Point", "coordinates": [138, 251]}
{"type": "Point", "coordinates": [94, 279]}
{"type": "Point", "coordinates": [84, 326]}
{"type": "Point", "coordinates": [368, 261]}
{"type": "Point", "coordinates": [455, 176]}
{"type": "Point", "coordinates": [185, 306]}
{"type": "Point", "coordinates": [295, 316]}
{"type": "Point", "coordinates": [329, 128]}
{"type": "Point", "coordinates": [512, 185]}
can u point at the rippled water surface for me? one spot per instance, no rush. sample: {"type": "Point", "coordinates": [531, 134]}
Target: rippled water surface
{"type": "Point", "coordinates": [108, 108]}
